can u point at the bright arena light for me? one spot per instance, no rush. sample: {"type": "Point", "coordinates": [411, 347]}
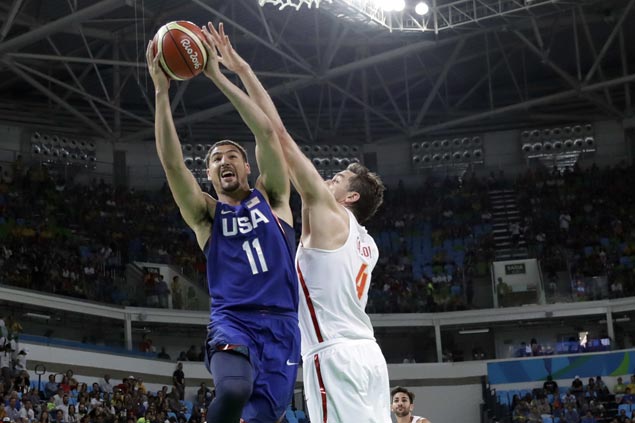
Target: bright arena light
{"type": "Point", "coordinates": [392, 5]}
{"type": "Point", "coordinates": [385, 5]}
{"type": "Point", "coordinates": [422, 8]}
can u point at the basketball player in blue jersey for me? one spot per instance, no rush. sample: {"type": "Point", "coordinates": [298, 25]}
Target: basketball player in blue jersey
{"type": "Point", "coordinates": [344, 371]}
{"type": "Point", "coordinates": [252, 348]}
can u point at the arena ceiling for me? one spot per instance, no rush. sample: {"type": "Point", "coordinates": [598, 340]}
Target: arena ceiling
{"type": "Point", "coordinates": [78, 66]}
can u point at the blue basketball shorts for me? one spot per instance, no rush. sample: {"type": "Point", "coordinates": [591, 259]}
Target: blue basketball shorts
{"type": "Point", "coordinates": [271, 342]}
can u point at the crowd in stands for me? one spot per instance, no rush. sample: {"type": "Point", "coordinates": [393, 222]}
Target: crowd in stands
{"type": "Point", "coordinates": [75, 240]}
{"type": "Point", "coordinates": [576, 221]}
{"type": "Point", "coordinates": [587, 216]}
{"type": "Point", "coordinates": [62, 399]}
{"type": "Point", "coordinates": [579, 403]}
{"type": "Point", "coordinates": [433, 241]}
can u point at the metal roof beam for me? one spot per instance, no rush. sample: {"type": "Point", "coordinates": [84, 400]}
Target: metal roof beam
{"type": "Point", "coordinates": [6, 26]}
{"type": "Point", "coordinates": [67, 21]}
{"type": "Point", "coordinates": [89, 122]}
{"type": "Point", "coordinates": [525, 105]}
{"type": "Point", "coordinates": [83, 93]}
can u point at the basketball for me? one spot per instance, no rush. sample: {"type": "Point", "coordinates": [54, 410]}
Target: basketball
{"type": "Point", "coordinates": [180, 49]}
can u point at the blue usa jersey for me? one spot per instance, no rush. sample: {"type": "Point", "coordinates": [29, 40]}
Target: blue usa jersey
{"type": "Point", "coordinates": [250, 262]}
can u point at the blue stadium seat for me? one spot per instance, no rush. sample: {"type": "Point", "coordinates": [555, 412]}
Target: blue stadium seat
{"type": "Point", "coordinates": [301, 416]}
{"type": "Point", "coordinates": [188, 405]}
{"type": "Point", "coordinates": [291, 418]}
{"type": "Point", "coordinates": [503, 398]}
{"type": "Point", "coordinates": [546, 419]}
{"type": "Point", "coordinates": [626, 408]}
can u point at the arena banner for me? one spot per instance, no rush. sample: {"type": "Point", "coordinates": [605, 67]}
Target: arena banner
{"type": "Point", "coordinates": [562, 367]}
{"type": "Point", "coordinates": [519, 275]}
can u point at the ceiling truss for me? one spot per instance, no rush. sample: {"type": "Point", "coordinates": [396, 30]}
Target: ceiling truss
{"type": "Point", "coordinates": [333, 80]}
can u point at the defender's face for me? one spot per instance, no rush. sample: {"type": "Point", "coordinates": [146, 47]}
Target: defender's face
{"type": "Point", "coordinates": [401, 405]}
{"type": "Point", "coordinates": [339, 184]}
{"type": "Point", "coordinates": [227, 169]}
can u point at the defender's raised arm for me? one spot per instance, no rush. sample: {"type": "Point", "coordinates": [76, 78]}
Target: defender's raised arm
{"type": "Point", "coordinates": [273, 177]}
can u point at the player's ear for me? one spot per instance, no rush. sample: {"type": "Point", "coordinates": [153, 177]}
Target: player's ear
{"type": "Point", "coordinates": [248, 168]}
{"type": "Point", "coordinates": [352, 196]}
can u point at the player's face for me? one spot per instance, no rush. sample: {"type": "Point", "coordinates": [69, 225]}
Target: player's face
{"type": "Point", "coordinates": [401, 405]}
{"type": "Point", "coordinates": [227, 169]}
{"type": "Point", "coordinates": [338, 185]}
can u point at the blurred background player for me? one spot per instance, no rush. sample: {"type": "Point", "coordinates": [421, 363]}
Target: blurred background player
{"type": "Point", "coordinates": [345, 374]}
{"type": "Point", "coordinates": [248, 241]}
{"type": "Point", "coordinates": [403, 404]}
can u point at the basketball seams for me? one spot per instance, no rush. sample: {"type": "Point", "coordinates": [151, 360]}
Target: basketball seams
{"type": "Point", "coordinates": [186, 31]}
{"type": "Point", "coordinates": [181, 53]}
{"type": "Point", "coordinates": [162, 33]}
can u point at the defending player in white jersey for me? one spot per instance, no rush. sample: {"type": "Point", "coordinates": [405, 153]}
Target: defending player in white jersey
{"type": "Point", "coordinates": [345, 373]}
{"type": "Point", "coordinates": [403, 404]}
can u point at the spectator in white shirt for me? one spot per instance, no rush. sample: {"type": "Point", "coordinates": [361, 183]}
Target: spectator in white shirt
{"type": "Point", "coordinates": [105, 384]}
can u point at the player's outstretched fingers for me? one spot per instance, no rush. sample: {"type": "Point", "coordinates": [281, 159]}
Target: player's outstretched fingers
{"type": "Point", "coordinates": [215, 35]}
{"type": "Point", "coordinates": [149, 53]}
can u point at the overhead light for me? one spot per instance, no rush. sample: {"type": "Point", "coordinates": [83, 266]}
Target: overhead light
{"type": "Point", "coordinates": [422, 9]}
{"type": "Point", "coordinates": [38, 316]}
{"type": "Point", "coordinates": [472, 331]}
{"type": "Point", "coordinates": [392, 5]}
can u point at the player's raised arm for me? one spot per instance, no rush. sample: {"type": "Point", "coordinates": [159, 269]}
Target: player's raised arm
{"type": "Point", "coordinates": [304, 176]}
{"type": "Point", "coordinates": [196, 207]}
{"type": "Point", "coordinates": [273, 169]}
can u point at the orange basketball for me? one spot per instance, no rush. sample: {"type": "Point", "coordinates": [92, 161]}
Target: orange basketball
{"type": "Point", "coordinates": [180, 49]}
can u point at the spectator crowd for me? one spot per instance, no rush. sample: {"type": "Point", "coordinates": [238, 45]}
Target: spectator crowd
{"type": "Point", "coordinates": [436, 240]}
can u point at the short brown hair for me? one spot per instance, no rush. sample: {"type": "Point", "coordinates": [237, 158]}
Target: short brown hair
{"type": "Point", "coordinates": [370, 189]}
{"type": "Point", "coordinates": [226, 142]}
{"type": "Point", "coordinates": [399, 389]}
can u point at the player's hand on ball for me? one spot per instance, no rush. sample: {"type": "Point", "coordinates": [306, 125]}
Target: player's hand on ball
{"type": "Point", "coordinates": [160, 80]}
{"type": "Point", "coordinates": [228, 56]}
{"type": "Point", "coordinates": [212, 68]}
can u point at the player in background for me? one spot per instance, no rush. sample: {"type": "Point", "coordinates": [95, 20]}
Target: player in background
{"type": "Point", "coordinates": [403, 404]}
{"type": "Point", "coordinates": [345, 373]}
{"type": "Point", "coordinates": [252, 348]}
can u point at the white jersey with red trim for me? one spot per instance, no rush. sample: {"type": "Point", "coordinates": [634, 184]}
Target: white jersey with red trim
{"type": "Point", "coordinates": [334, 289]}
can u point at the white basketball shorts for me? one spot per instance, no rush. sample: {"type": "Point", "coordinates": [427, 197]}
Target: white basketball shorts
{"type": "Point", "coordinates": [347, 382]}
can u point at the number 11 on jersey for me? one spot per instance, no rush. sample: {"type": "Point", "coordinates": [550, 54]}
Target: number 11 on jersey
{"type": "Point", "coordinates": [248, 249]}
